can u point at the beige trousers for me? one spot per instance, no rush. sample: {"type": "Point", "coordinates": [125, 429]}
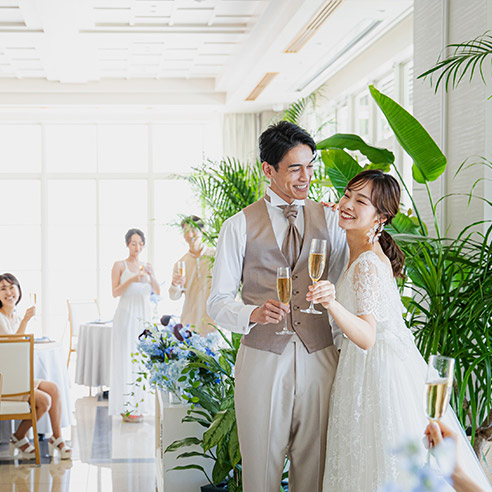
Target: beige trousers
{"type": "Point", "coordinates": [282, 410]}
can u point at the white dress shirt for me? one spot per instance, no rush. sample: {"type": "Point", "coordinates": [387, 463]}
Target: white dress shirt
{"type": "Point", "coordinates": [223, 306]}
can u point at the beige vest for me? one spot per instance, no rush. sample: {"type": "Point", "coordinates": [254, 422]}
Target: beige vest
{"type": "Point", "coordinates": [259, 279]}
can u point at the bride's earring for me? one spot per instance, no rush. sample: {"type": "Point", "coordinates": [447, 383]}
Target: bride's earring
{"type": "Point", "coordinates": [375, 232]}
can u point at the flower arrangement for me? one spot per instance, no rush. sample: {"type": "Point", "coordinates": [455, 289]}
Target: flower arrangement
{"type": "Point", "coordinates": [415, 477]}
{"type": "Point", "coordinates": [164, 352]}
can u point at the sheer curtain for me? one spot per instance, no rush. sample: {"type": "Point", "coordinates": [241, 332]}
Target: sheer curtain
{"type": "Point", "coordinates": [240, 136]}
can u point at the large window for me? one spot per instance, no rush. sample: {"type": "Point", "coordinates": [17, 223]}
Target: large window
{"type": "Point", "coordinates": [72, 189]}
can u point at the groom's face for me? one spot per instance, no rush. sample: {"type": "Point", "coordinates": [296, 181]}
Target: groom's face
{"type": "Point", "coordinates": [292, 179]}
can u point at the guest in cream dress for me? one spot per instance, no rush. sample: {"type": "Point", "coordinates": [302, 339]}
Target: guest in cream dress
{"type": "Point", "coordinates": [46, 393]}
{"type": "Point", "coordinates": [196, 282]}
{"type": "Point", "coordinates": [132, 282]}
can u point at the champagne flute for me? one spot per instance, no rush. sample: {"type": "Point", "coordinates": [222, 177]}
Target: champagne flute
{"type": "Point", "coordinates": [316, 265]}
{"type": "Point", "coordinates": [32, 298]}
{"type": "Point", "coordinates": [284, 292]}
{"type": "Point", "coordinates": [438, 384]}
{"type": "Point", "coordinates": [182, 271]}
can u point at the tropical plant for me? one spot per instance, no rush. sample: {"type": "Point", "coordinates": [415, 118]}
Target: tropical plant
{"type": "Point", "coordinates": [450, 310]}
{"type": "Point", "coordinates": [465, 57]}
{"type": "Point", "coordinates": [215, 412]}
{"type": "Point", "coordinates": [225, 188]}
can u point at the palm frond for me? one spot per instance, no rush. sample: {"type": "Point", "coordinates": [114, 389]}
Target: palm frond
{"type": "Point", "coordinates": [466, 58]}
{"type": "Point", "coordinates": [225, 188]}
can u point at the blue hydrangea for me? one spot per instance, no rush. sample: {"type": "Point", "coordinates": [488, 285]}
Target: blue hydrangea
{"type": "Point", "coordinates": [163, 356]}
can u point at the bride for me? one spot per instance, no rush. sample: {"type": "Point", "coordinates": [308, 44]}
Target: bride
{"type": "Point", "coordinates": [377, 397]}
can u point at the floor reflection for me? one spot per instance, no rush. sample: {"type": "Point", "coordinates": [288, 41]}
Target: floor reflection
{"type": "Point", "coordinates": [108, 455]}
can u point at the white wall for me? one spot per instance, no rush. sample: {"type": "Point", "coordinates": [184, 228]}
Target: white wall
{"type": "Point", "coordinates": [460, 120]}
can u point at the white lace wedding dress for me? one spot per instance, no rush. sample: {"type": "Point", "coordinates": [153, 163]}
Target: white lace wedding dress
{"type": "Point", "coordinates": [377, 397]}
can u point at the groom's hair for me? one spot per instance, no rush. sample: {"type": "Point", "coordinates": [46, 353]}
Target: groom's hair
{"type": "Point", "coordinates": [279, 138]}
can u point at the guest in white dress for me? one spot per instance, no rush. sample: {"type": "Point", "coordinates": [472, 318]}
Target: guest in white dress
{"type": "Point", "coordinates": [132, 282]}
{"type": "Point", "coordinates": [46, 393]}
{"type": "Point", "coordinates": [377, 397]}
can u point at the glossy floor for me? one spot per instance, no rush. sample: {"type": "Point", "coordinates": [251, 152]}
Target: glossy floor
{"type": "Point", "coordinates": [108, 455]}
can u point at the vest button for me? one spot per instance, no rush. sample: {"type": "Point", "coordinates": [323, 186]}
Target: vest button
{"type": "Point", "coordinates": [296, 308]}
{"type": "Point", "coordinates": [297, 323]}
{"type": "Point", "coordinates": [295, 277]}
{"type": "Point", "coordinates": [296, 292]}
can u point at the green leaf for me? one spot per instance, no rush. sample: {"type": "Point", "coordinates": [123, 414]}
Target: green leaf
{"type": "Point", "coordinates": [234, 452]}
{"type": "Point", "coordinates": [403, 224]}
{"type": "Point", "coordinates": [192, 467]}
{"type": "Point", "coordinates": [428, 160]}
{"type": "Point", "coordinates": [225, 365]}
{"type": "Point", "coordinates": [340, 167]}
{"type": "Point", "coordinates": [221, 425]}
{"type": "Point", "coordinates": [220, 471]}
{"type": "Point", "coordinates": [188, 441]}
{"type": "Point", "coordinates": [192, 454]}
{"type": "Point", "coordinates": [352, 142]}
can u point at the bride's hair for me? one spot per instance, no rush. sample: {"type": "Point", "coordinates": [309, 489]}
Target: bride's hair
{"type": "Point", "coordinates": [385, 197]}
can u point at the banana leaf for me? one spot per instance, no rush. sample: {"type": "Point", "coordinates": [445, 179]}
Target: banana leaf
{"type": "Point", "coordinates": [352, 142]}
{"type": "Point", "coordinates": [428, 160]}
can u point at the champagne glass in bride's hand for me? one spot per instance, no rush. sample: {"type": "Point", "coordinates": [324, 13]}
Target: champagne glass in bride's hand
{"type": "Point", "coordinates": [284, 292]}
{"type": "Point", "coordinates": [33, 298]}
{"type": "Point", "coordinates": [438, 386]}
{"type": "Point", "coordinates": [316, 265]}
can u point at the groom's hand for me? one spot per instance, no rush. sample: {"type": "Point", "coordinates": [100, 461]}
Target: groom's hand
{"type": "Point", "coordinates": [271, 312]}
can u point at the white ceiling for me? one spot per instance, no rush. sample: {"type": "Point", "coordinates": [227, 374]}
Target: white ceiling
{"type": "Point", "coordinates": [166, 52]}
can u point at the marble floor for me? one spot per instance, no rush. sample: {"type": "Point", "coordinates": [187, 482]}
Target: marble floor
{"type": "Point", "coordinates": [108, 455]}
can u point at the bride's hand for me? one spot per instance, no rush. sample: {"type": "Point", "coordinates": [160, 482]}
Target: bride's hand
{"type": "Point", "coordinates": [322, 292]}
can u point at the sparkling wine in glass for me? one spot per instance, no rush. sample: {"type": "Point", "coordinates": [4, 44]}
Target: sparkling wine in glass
{"type": "Point", "coordinates": [33, 298]}
{"type": "Point", "coordinates": [284, 292]}
{"type": "Point", "coordinates": [182, 271]}
{"type": "Point", "coordinates": [316, 266]}
{"type": "Point", "coordinates": [438, 386]}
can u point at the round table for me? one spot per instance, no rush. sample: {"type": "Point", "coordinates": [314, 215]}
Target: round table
{"type": "Point", "coordinates": [50, 363]}
{"type": "Point", "coordinates": [93, 354]}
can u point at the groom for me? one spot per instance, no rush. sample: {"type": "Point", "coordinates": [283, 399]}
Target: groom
{"type": "Point", "coordinates": [283, 383]}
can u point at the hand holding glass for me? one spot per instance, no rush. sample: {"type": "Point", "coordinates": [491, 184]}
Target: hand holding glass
{"type": "Point", "coordinates": [316, 265]}
{"type": "Point", "coordinates": [284, 292]}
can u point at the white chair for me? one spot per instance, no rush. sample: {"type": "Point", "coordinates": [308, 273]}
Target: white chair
{"type": "Point", "coordinates": [80, 312]}
{"type": "Point", "coordinates": [16, 368]}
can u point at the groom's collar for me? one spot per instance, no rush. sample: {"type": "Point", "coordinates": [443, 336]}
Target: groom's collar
{"type": "Point", "coordinates": [276, 201]}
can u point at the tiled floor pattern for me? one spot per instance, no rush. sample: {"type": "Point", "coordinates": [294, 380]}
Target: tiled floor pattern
{"type": "Point", "coordinates": [108, 455]}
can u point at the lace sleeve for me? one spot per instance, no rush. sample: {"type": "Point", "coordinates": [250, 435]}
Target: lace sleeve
{"type": "Point", "coordinates": [368, 288]}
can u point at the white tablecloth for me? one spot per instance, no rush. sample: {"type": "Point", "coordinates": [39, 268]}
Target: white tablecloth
{"type": "Point", "coordinates": [93, 354]}
{"type": "Point", "coordinates": [50, 363]}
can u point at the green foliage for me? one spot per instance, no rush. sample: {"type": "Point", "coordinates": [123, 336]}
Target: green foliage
{"type": "Point", "coordinates": [213, 408]}
{"type": "Point", "coordinates": [428, 160]}
{"type": "Point", "coordinates": [465, 57]}
{"type": "Point", "coordinates": [225, 188]}
{"type": "Point", "coordinates": [295, 111]}
{"type": "Point", "coordinates": [352, 142]}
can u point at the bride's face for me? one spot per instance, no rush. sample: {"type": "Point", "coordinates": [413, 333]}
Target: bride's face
{"type": "Point", "coordinates": [357, 213]}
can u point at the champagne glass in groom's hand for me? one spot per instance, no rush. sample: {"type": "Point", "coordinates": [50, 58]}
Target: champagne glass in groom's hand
{"type": "Point", "coordinates": [284, 292]}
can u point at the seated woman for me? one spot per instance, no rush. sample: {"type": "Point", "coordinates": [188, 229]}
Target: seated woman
{"type": "Point", "coordinates": [47, 395]}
